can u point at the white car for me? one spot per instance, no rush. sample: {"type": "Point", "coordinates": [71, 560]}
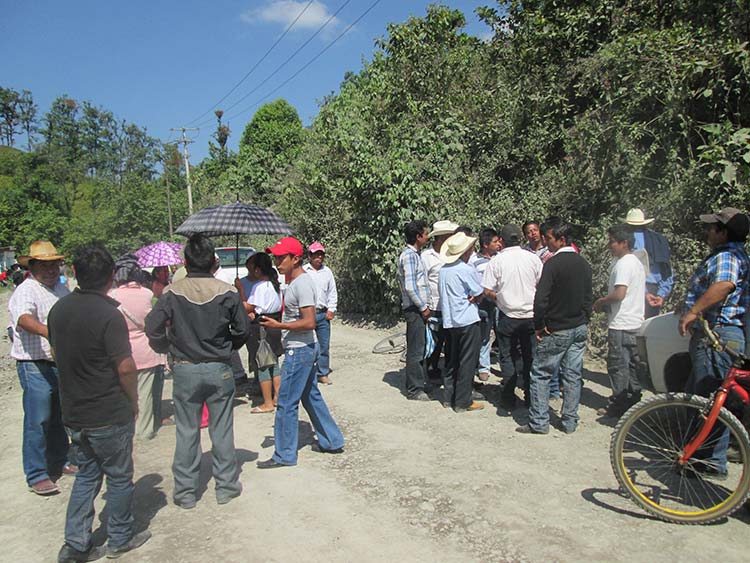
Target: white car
{"type": "Point", "coordinates": [232, 262]}
{"type": "Point", "coordinates": [664, 354]}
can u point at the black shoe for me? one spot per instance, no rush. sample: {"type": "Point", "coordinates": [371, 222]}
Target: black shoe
{"type": "Point", "coordinates": [318, 449]}
{"type": "Point", "coordinates": [270, 463]}
{"type": "Point", "coordinates": [508, 403]}
{"type": "Point", "coordinates": [69, 554]}
{"type": "Point", "coordinates": [135, 542]}
{"type": "Point", "coordinates": [187, 504]}
{"type": "Point", "coordinates": [526, 429]}
{"type": "Point", "coordinates": [477, 396]}
{"type": "Point", "coordinates": [708, 472]}
{"type": "Point", "coordinates": [224, 499]}
{"type": "Point", "coordinates": [733, 454]}
{"type": "Point", "coordinates": [419, 396]}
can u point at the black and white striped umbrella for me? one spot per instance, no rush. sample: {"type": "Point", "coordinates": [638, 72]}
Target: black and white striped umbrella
{"type": "Point", "coordinates": [234, 219]}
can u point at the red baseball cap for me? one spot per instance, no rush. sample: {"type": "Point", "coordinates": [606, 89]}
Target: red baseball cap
{"type": "Point", "coordinates": [287, 245]}
{"type": "Point", "coordinates": [316, 247]}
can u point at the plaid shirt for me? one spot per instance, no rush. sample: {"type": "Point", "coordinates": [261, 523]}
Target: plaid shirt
{"type": "Point", "coordinates": [730, 263]}
{"type": "Point", "coordinates": [35, 299]}
{"type": "Point", "coordinates": [412, 277]}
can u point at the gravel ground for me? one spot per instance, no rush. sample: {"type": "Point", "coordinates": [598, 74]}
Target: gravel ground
{"type": "Point", "coordinates": [416, 483]}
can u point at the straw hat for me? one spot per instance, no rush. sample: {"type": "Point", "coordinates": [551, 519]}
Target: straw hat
{"type": "Point", "coordinates": [40, 250]}
{"type": "Point", "coordinates": [454, 247]}
{"type": "Point", "coordinates": [636, 217]}
{"type": "Point", "coordinates": [442, 228]}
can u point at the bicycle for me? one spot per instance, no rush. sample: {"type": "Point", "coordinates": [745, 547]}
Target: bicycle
{"type": "Point", "coordinates": [393, 344]}
{"type": "Point", "coordinates": [661, 449]}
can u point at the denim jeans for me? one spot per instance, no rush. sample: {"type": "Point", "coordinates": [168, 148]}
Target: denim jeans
{"type": "Point", "coordinates": [192, 385]}
{"type": "Point", "coordinates": [709, 369]}
{"type": "Point", "coordinates": [299, 383]}
{"type": "Point", "coordinates": [45, 443]}
{"type": "Point", "coordinates": [562, 349]}
{"type": "Point", "coordinates": [323, 332]}
{"type": "Point", "coordinates": [414, 374]}
{"type": "Point", "coordinates": [101, 452]}
{"type": "Point", "coordinates": [622, 366]}
{"type": "Point", "coordinates": [487, 320]}
{"type": "Point", "coordinates": [517, 344]}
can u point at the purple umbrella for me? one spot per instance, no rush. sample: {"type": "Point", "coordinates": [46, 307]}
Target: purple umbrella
{"type": "Point", "coordinates": [159, 254]}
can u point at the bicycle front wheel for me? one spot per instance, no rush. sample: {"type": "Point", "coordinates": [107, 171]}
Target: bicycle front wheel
{"type": "Point", "coordinates": [393, 344]}
{"type": "Point", "coordinates": [647, 444]}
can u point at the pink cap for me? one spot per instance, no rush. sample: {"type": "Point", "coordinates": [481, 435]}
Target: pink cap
{"type": "Point", "coordinates": [316, 247]}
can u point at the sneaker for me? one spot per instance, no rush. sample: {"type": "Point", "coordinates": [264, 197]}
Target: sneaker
{"type": "Point", "coordinates": [135, 542]}
{"type": "Point", "coordinates": [69, 554]}
{"type": "Point", "coordinates": [44, 488]}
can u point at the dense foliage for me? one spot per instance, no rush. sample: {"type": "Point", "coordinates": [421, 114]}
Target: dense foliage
{"type": "Point", "coordinates": [580, 108]}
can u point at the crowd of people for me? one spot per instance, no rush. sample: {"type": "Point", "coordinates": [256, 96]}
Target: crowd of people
{"type": "Point", "coordinates": [533, 288]}
{"type": "Point", "coordinates": [92, 362]}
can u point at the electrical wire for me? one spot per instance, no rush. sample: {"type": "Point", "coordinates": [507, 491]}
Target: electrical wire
{"type": "Point", "coordinates": [282, 65]}
{"type": "Point", "coordinates": [306, 65]}
{"type": "Point", "coordinates": [249, 72]}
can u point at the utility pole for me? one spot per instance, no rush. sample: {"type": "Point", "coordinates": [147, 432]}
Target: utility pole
{"type": "Point", "coordinates": [169, 197]}
{"type": "Point", "coordinates": [185, 141]}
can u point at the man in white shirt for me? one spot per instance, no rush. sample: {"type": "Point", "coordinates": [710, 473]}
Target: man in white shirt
{"type": "Point", "coordinates": [441, 230]}
{"type": "Point", "coordinates": [325, 307]}
{"type": "Point", "coordinates": [625, 305]}
{"type": "Point", "coordinates": [45, 443]}
{"type": "Point", "coordinates": [510, 280]}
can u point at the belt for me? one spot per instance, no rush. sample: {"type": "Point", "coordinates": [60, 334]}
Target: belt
{"type": "Point", "coordinates": [321, 309]}
{"type": "Point", "coordinates": [50, 362]}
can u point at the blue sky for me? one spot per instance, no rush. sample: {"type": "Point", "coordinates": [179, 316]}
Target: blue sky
{"type": "Point", "coordinates": [164, 63]}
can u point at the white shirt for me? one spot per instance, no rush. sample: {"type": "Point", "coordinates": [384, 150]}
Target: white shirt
{"type": "Point", "coordinates": [513, 274]}
{"type": "Point", "coordinates": [265, 298]}
{"type": "Point", "coordinates": [432, 264]}
{"type": "Point", "coordinates": [35, 299]}
{"type": "Point", "coordinates": [628, 313]}
{"type": "Point", "coordinates": [325, 287]}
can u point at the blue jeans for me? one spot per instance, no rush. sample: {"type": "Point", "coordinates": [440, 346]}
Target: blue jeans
{"type": "Point", "coordinates": [45, 443]}
{"type": "Point", "coordinates": [709, 369]}
{"type": "Point", "coordinates": [192, 385]}
{"type": "Point", "coordinates": [299, 383]}
{"type": "Point", "coordinates": [563, 350]}
{"type": "Point", "coordinates": [487, 321]}
{"type": "Point", "coordinates": [100, 452]}
{"type": "Point", "coordinates": [323, 332]}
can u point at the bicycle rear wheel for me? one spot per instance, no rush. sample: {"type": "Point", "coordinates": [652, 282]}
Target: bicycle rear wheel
{"type": "Point", "coordinates": [393, 344]}
{"type": "Point", "coordinates": [647, 444]}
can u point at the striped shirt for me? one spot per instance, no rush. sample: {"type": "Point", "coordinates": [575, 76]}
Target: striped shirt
{"type": "Point", "coordinates": [35, 299]}
{"type": "Point", "coordinates": [727, 263]}
{"type": "Point", "coordinates": [412, 277]}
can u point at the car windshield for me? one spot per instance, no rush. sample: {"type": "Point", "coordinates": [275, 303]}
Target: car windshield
{"type": "Point", "coordinates": [228, 256]}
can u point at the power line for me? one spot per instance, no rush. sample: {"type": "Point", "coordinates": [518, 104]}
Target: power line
{"type": "Point", "coordinates": [311, 61]}
{"type": "Point", "coordinates": [249, 72]}
{"type": "Point", "coordinates": [282, 65]}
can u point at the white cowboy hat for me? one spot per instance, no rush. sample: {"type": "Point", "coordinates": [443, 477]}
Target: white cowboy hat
{"type": "Point", "coordinates": [455, 246]}
{"type": "Point", "coordinates": [636, 217]}
{"type": "Point", "coordinates": [443, 228]}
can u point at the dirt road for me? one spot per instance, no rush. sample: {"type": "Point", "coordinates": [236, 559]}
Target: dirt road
{"type": "Point", "coordinates": [416, 483]}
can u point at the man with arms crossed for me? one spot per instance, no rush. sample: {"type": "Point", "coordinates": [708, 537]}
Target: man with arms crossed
{"type": "Point", "coordinates": [99, 391]}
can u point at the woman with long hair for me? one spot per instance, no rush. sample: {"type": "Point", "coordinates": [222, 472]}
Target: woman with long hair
{"type": "Point", "coordinates": [264, 299]}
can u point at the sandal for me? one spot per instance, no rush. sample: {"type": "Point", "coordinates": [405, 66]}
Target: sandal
{"type": "Point", "coordinates": [258, 410]}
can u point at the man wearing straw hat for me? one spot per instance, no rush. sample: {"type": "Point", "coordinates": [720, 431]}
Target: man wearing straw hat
{"type": "Point", "coordinates": [45, 443]}
{"type": "Point", "coordinates": [459, 293]}
{"type": "Point", "coordinates": [659, 278]}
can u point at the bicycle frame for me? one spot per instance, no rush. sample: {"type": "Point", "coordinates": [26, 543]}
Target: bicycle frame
{"type": "Point", "coordinates": [729, 385]}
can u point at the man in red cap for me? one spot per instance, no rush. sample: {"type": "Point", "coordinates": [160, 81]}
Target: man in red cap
{"type": "Point", "coordinates": [298, 380]}
{"type": "Point", "coordinates": [325, 306]}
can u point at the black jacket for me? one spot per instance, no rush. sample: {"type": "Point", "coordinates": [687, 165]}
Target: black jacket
{"type": "Point", "coordinates": [198, 319]}
{"type": "Point", "coordinates": [563, 296]}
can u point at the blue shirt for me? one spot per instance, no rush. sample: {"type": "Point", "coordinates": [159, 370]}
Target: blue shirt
{"type": "Point", "coordinates": [458, 282]}
{"type": "Point", "coordinates": [728, 262]}
{"type": "Point", "coordinates": [654, 275]}
{"type": "Point", "coordinates": [412, 276]}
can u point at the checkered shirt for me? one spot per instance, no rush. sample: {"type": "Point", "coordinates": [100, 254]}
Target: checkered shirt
{"type": "Point", "coordinates": [35, 299]}
{"type": "Point", "coordinates": [729, 262]}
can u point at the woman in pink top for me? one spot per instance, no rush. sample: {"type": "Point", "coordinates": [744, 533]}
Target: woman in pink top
{"type": "Point", "coordinates": [135, 304]}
